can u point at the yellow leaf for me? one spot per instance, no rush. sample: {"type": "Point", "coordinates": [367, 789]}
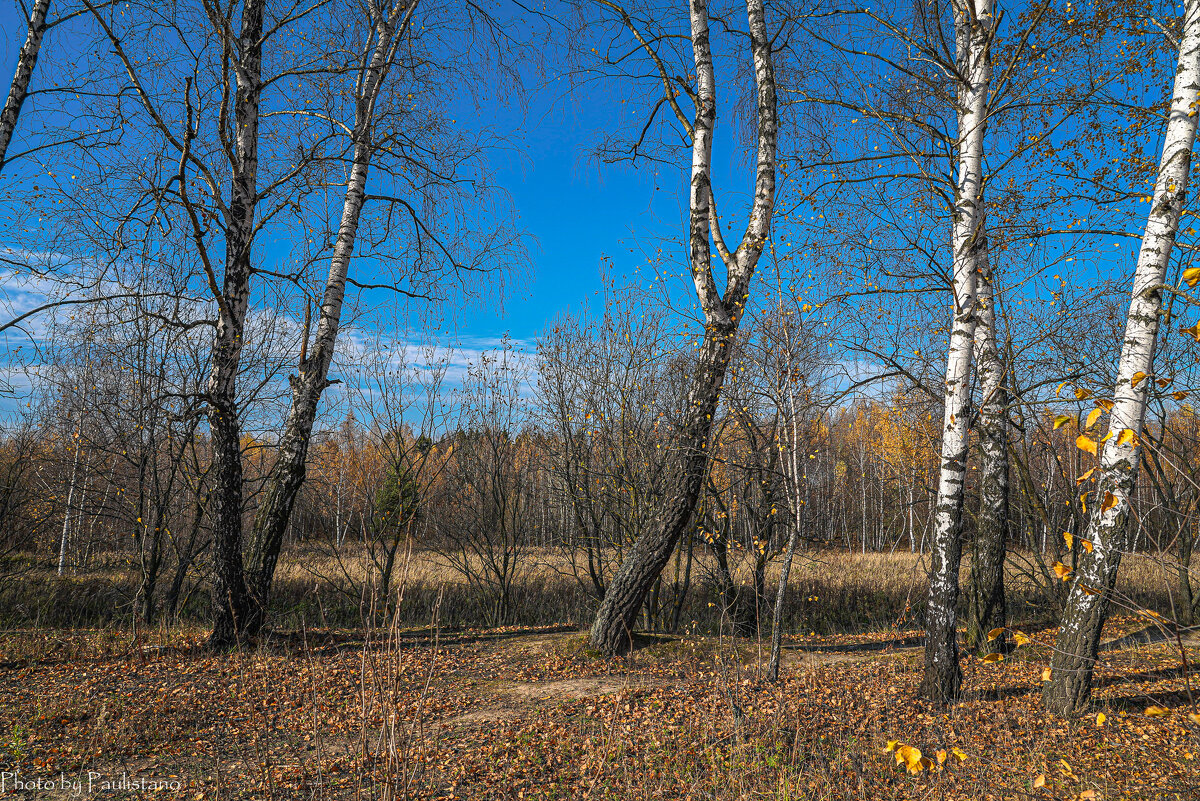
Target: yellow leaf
{"type": "Point", "coordinates": [1109, 502]}
{"type": "Point", "coordinates": [993, 658]}
{"type": "Point", "coordinates": [1104, 404]}
{"type": "Point", "coordinates": [1021, 639]}
{"type": "Point", "coordinates": [891, 746]}
{"type": "Point", "coordinates": [1062, 571]}
{"type": "Point", "coordinates": [1156, 711]}
{"type": "Point", "coordinates": [1087, 545]}
{"type": "Point", "coordinates": [1062, 420]}
{"type": "Point", "coordinates": [1083, 502]}
{"type": "Point", "coordinates": [1046, 674]}
{"type": "Point", "coordinates": [1086, 444]}
{"type": "Point", "coordinates": [1194, 718]}
{"type": "Point", "coordinates": [925, 764]}
{"type": "Point", "coordinates": [1084, 478]}
{"type": "Point", "coordinates": [1191, 276]}
{"type": "Point", "coordinates": [941, 757]}
{"type": "Point", "coordinates": [1093, 416]}
{"type": "Point", "coordinates": [1194, 331]}
{"type": "Point", "coordinates": [1040, 781]}
{"type": "Point", "coordinates": [1069, 539]}
{"type": "Point", "coordinates": [1126, 436]}
{"type": "Point", "coordinates": [1180, 395]}
{"type": "Point", "coordinates": [1100, 719]}
{"type": "Point", "coordinates": [1163, 382]}
{"type": "Point", "coordinates": [1087, 795]}
{"type": "Point", "coordinates": [1137, 378]}
{"type": "Point", "coordinates": [1058, 391]}
{"type": "Point", "coordinates": [1082, 394]}
{"type": "Point", "coordinates": [994, 633]}
{"type": "Point", "coordinates": [962, 756]}
{"type": "Point", "coordinates": [1086, 590]}
{"type": "Point", "coordinates": [910, 757]}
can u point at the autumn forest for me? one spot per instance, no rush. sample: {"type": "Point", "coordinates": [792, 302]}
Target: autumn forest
{"type": "Point", "coordinates": [689, 399]}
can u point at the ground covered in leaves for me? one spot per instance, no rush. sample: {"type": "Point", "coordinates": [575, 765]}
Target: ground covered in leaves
{"type": "Point", "coordinates": [531, 713]}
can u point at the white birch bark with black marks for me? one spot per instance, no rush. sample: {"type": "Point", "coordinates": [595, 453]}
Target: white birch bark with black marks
{"type": "Point", "coordinates": [19, 88]}
{"type": "Point", "coordinates": [288, 473]}
{"type": "Point", "coordinates": [1078, 644]}
{"type": "Point", "coordinates": [973, 23]}
{"type": "Point", "coordinates": [612, 629]}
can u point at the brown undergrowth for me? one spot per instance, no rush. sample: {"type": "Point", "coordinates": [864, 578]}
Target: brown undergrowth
{"type": "Point", "coordinates": [520, 713]}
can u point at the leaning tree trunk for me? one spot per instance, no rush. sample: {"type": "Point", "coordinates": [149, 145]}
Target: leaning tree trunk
{"type": "Point", "coordinates": [612, 630]}
{"type": "Point", "coordinates": [231, 605]}
{"type": "Point", "coordinates": [973, 26]}
{"type": "Point", "coordinates": [985, 595]}
{"type": "Point", "coordinates": [1092, 585]}
{"type": "Point", "coordinates": [288, 473]}
{"type": "Point", "coordinates": [19, 89]}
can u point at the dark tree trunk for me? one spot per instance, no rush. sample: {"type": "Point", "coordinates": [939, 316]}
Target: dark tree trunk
{"type": "Point", "coordinates": [231, 601]}
{"type": "Point", "coordinates": [985, 593]}
{"type": "Point", "coordinates": [626, 591]}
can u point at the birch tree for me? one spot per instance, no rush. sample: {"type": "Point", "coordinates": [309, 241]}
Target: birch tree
{"type": "Point", "coordinates": [389, 23]}
{"type": "Point", "coordinates": [722, 309]}
{"type": "Point", "coordinates": [973, 30]}
{"type": "Point", "coordinates": [26, 61]}
{"type": "Point", "coordinates": [1094, 580]}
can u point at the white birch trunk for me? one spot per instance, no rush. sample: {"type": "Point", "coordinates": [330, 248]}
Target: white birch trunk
{"type": "Point", "coordinates": [66, 527]}
{"type": "Point", "coordinates": [1091, 587]}
{"type": "Point", "coordinates": [287, 475]}
{"type": "Point", "coordinates": [973, 26]}
{"type": "Point", "coordinates": [612, 630]}
{"type": "Point", "coordinates": [19, 89]}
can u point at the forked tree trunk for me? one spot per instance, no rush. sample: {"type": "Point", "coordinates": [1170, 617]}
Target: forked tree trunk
{"type": "Point", "coordinates": [973, 26]}
{"type": "Point", "coordinates": [288, 473]}
{"type": "Point", "coordinates": [19, 89]}
{"type": "Point", "coordinates": [985, 595]}
{"type": "Point", "coordinates": [1092, 585]}
{"type": "Point", "coordinates": [612, 629]}
{"type": "Point", "coordinates": [230, 598]}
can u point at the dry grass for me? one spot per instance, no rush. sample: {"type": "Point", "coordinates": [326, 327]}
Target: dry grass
{"type": "Point", "coordinates": [830, 592]}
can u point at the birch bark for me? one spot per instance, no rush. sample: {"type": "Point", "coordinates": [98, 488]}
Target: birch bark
{"type": "Point", "coordinates": [229, 595]}
{"type": "Point", "coordinates": [1078, 644]}
{"type": "Point", "coordinates": [19, 89]}
{"type": "Point", "coordinates": [612, 630]}
{"type": "Point", "coordinates": [288, 473]}
{"type": "Point", "coordinates": [973, 23]}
